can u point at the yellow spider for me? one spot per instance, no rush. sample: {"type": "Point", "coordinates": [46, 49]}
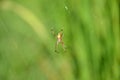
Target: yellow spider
{"type": "Point", "coordinates": [59, 39]}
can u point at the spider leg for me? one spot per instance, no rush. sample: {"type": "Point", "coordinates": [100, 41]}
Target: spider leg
{"type": "Point", "coordinates": [63, 46]}
{"type": "Point", "coordinates": [53, 32]}
{"type": "Point", "coordinates": [56, 46]}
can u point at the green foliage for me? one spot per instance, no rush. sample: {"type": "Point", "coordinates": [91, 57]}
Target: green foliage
{"type": "Point", "coordinates": [91, 35]}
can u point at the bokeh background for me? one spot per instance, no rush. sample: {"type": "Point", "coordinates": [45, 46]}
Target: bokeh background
{"type": "Point", "coordinates": [91, 36]}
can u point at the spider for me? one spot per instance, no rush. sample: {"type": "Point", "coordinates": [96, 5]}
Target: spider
{"type": "Point", "coordinates": [59, 37]}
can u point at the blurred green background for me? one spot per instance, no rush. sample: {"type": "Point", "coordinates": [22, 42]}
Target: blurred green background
{"type": "Point", "coordinates": [91, 35]}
